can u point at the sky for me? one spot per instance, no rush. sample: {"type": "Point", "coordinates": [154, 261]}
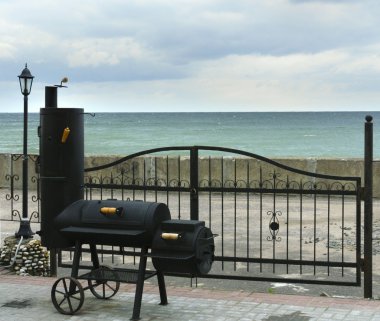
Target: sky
{"type": "Point", "coordinates": [193, 55]}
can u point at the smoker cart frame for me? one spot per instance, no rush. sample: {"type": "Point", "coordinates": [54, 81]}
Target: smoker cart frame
{"type": "Point", "coordinates": [70, 289]}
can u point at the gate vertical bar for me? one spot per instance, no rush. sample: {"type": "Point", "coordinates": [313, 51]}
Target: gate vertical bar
{"type": "Point", "coordinates": [368, 210]}
{"type": "Point", "coordinates": [194, 200]}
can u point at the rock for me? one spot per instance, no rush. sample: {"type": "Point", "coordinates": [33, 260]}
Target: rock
{"type": "Point", "coordinates": [31, 258]}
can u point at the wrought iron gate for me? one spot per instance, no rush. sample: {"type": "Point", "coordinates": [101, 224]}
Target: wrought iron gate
{"type": "Point", "coordinates": [275, 223]}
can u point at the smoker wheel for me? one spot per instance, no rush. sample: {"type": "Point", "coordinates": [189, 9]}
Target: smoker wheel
{"type": "Point", "coordinates": [104, 289]}
{"type": "Point", "coordinates": [67, 295]}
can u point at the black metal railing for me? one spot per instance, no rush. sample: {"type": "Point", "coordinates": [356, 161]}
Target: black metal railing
{"type": "Point", "coordinates": [271, 219]}
{"type": "Point", "coordinates": [13, 206]}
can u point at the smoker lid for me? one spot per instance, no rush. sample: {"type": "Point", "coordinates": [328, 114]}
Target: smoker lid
{"type": "Point", "coordinates": [129, 215]}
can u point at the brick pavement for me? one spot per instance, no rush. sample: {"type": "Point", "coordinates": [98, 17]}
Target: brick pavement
{"type": "Point", "coordinates": [28, 298]}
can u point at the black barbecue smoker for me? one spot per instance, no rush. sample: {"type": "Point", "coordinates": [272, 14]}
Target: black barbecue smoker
{"type": "Point", "coordinates": [183, 247]}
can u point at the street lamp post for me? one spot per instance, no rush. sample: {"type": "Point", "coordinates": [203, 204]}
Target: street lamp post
{"type": "Point", "coordinates": [26, 80]}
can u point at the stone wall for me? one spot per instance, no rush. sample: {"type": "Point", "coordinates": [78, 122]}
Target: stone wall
{"type": "Point", "coordinates": [333, 166]}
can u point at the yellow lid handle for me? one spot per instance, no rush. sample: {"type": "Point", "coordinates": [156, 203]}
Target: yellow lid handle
{"type": "Point", "coordinates": [119, 211]}
{"type": "Point", "coordinates": [65, 135]}
{"type": "Point", "coordinates": [170, 236]}
{"type": "Point", "coordinates": [108, 210]}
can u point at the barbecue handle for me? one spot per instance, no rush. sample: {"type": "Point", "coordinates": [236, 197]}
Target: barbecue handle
{"type": "Point", "coordinates": [65, 135]}
{"type": "Point", "coordinates": [170, 236]}
{"type": "Point", "coordinates": [111, 211]}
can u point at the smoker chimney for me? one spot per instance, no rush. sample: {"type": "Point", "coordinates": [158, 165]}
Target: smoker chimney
{"type": "Point", "coordinates": [51, 97]}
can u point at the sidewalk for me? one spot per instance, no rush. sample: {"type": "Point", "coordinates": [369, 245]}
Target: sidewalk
{"type": "Point", "coordinates": [28, 299]}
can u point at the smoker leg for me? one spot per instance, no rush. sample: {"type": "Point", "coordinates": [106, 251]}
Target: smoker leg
{"type": "Point", "coordinates": [76, 259]}
{"type": "Point", "coordinates": [94, 256]}
{"type": "Point", "coordinates": [53, 262]}
{"type": "Point", "coordinates": [162, 288]}
{"type": "Point", "coordinates": [140, 284]}
{"type": "Point", "coordinates": [75, 267]}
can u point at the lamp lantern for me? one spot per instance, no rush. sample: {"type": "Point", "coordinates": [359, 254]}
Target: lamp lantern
{"type": "Point", "coordinates": [26, 81]}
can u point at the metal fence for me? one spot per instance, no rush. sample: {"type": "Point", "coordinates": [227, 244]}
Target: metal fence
{"type": "Point", "coordinates": [12, 207]}
{"type": "Point", "coordinates": [270, 219]}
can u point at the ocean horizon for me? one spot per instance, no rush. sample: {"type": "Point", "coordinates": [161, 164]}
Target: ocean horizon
{"type": "Point", "coordinates": [270, 134]}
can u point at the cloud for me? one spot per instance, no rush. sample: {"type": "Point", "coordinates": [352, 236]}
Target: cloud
{"type": "Point", "coordinates": [185, 30]}
{"type": "Point", "coordinates": [7, 51]}
{"type": "Point", "coordinates": [103, 51]}
{"type": "Point", "coordinates": [250, 53]}
{"type": "Point", "coordinates": [246, 83]}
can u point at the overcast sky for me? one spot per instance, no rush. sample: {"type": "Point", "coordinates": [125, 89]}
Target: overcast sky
{"type": "Point", "coordinates": [193, 55]}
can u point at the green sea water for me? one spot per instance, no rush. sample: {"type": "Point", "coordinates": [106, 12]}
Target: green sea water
{"type": "Point", "coordinates": [287, 134]}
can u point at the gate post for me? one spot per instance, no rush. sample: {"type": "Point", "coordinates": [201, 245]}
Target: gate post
{"type": "Point", "coordinates": [194, 201]}
{"type": "Point", "coordinates": [368, 210]}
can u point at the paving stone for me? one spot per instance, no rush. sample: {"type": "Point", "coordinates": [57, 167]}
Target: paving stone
{"type": "Point", "coordinates": [191, 305]}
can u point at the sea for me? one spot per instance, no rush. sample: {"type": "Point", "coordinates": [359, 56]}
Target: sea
{"type": "Point", "coordinates": [269, 134]}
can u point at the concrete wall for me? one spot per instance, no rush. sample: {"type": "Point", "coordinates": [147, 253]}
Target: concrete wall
{"type": "Point", "coordinates": [339, 167]}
